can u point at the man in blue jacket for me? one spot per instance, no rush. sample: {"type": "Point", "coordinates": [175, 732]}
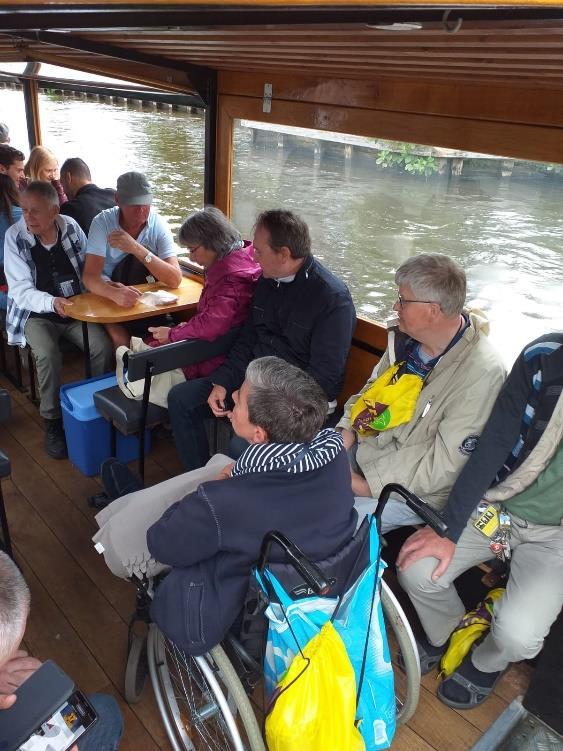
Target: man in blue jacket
{"type": "Point", "coordinates": [293, 477]}
{"type": "Point", "coordinates": [300, 312]}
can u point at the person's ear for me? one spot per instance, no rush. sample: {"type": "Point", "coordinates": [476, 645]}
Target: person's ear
{"type": "Point", "coordinates": [285, 253]}
{"type": "Point", "coordinates": [260, 435]}
{"type": "Point", "coordinates": [3, 170]}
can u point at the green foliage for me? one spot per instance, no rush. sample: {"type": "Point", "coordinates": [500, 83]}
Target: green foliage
{"type": "Point", "coordinates": [403, 157]}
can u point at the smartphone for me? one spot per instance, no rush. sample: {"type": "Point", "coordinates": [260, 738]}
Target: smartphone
{"type": "Point", "coordinates": [66, 726]}
{"type": "Point", "coordinates": [40, 698]}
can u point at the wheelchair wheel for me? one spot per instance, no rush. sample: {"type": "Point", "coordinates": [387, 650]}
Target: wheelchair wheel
{"type": "Point", "coordinates": [201, 699]}
{"type": "Point", "coordinates": [401, 642]}
{"type": "Point", "coordinates": [137, 670]}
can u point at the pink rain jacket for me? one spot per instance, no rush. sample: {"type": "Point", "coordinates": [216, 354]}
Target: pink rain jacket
{"type": "Point", "coordinates": [224, 303]}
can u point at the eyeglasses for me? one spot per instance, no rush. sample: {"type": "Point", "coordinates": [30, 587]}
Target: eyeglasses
{"type": "Point", "coordinates": [402, 302]}
{"type": "Point", "coordinates": [193, 250]}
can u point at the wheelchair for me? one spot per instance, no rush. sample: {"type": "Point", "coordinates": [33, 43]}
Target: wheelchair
{"type": "Point", "coordinates": [212, 702]}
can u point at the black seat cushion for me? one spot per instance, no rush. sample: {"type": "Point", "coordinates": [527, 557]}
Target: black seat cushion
{"type": "Point", "coordinates": [5, 466]}
{"type": "Point", "coordinates": [125, 413]}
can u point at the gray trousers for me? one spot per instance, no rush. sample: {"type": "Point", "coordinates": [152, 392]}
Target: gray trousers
{"type": "Point", "coordinates": [395, 514]}
{"type": "Point", "coordinates": [124, 523]}
{"type": "Point", "coordinates": [522, 617]}
{"type": "Point", "coordinates": [43, 336]}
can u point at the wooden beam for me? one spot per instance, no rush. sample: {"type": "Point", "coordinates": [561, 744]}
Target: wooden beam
{"type": "Point", "coordinates": [196, 75]}
{"type": "Point", "coordinates": [224, 156]}
{"type": "Point", "coordinates": [534, 142]}
{"type": "Point", "coordinates": [146, 75]}
{"type": "Point", "coordinates": [478, 101]}
{"type": "Point", "coordinates": [31, 100]}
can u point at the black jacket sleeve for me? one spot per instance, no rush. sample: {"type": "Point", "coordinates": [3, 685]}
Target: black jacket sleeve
{"type": "Point", "coordinates": [330, 344]}
{"type": "Point", "coordinates": [497, 440]}
{"type": "Point", "coordinates": [231, 373]}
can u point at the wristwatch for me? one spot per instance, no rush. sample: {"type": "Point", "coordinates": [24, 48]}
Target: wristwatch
{"type": "Point", "coordinates": [148, 258]}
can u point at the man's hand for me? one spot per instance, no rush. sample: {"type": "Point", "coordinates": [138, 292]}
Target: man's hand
{"type": "Point", "coordinates": [60, 305]}
{"type": "Point", "coordinates": [161, 333]}
{"type": "Point", "coordinates": [13, 673]}
{"type": "Point", "coordinates": [427, 544]}
{"type": "Point", "coordinates": [349, 438]}
{"type": "Point", "coordinates": [225, 472]}
{"type": "Point", "coordinates": [124, 296]}
{"type": "Point", "coordinates": [217, 401]}
{"type": "Point", "coordinates": [123, 241]}
{"type": "Point", "coordinates": [360, 485]}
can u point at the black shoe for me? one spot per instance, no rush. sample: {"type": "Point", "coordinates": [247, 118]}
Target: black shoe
{"type": "Point", "coordinates": [118, 479]}
{"type": "Point", "coordinates": [55, 441]}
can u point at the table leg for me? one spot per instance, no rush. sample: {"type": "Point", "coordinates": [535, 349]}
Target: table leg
{"type": "Point", "coordinates": [87, 363]}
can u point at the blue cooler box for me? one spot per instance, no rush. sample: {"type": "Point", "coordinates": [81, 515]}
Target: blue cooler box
{"type": "Point", "coordinates": [88, 434]}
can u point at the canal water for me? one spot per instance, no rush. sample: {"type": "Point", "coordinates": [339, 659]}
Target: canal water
{"type": "Point", "coordinates": [506, 232]}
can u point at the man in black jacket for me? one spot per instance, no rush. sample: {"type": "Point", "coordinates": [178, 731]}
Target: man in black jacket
{"type": "Point", "coordinates": [85, 200]}
{"type": "Point", "coordinates": [300, 312]}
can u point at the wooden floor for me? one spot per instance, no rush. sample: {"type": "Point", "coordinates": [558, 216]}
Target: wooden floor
{"type": "Point", "coordinates": [80, 611]}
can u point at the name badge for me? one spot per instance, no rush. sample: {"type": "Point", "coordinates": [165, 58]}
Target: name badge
{"type": "Point", "coordinates": [488, 522]}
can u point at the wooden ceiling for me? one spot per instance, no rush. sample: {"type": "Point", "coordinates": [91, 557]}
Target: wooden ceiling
{"type": "Point", "coordinates": [470, 45]}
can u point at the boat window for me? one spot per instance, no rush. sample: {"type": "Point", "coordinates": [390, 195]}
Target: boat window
{"type": "Point", "coordinates": [114, 136]}
{"type": "Point", "coordinates": [370, 204]}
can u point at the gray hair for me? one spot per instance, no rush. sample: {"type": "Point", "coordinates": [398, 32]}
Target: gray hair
{"type": "Point", "coordinates": [44, 190]}
{"type": "Point", "coordinates": [435, 277]}
{"type": "Point", "coordinates": [285, 401]}
{"type": "Point", "coordinates": [211, 228]}
{"type": "Point", "coordinates": [14, 606]}
{"type": "Point", "coordinates": [4, 133]}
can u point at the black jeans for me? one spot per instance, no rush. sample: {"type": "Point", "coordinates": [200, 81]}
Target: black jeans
{"type": "Point", "coordinates": [188, 408]}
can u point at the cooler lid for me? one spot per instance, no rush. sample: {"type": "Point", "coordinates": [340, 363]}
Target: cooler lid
{"type": "Point", "coordinates": [78, 398]}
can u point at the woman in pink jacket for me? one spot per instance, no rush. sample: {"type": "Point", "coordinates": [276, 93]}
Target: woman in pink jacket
{"type": "Point", "coordinates": [230, 276]}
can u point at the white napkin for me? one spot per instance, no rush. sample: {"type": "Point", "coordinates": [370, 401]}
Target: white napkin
{"type": "Point", "coordinates": [158, 297]}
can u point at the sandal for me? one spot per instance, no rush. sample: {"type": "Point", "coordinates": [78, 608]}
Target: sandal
{"type": "Point", "coordinates": [475, 694]}
{"type": "Point", "coordinates": [428, 659]}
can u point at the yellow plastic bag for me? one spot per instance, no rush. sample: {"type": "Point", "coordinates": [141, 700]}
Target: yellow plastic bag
{"type": "Point", "coordinates": [316, 700]}
{"type": "Point", "coordinates": [471, 627]}
{"type": "Point", "coordinates": [384, 405]}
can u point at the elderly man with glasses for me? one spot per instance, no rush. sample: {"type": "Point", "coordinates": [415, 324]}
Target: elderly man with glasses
{"type": "Point", "coordinates": [419, 416]}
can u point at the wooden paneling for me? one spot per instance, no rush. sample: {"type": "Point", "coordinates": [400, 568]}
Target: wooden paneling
{"type": "Point", "coordinates": [472, 101]}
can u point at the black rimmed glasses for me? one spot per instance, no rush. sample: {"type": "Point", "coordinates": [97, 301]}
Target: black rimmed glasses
{"type": "Point", "coordinates": [402, 301]}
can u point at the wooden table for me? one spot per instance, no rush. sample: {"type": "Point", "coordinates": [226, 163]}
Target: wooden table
{"type": "Point", "coordinates": [90, 308]}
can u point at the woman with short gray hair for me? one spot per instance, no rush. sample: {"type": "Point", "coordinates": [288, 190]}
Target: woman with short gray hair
{"type": "Point", "coordinates": [230, 274]}
{"type": "Point", "coordinates": [208, 524]}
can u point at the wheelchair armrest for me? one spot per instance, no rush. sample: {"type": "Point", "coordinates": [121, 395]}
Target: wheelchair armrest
{"type": "Point", "coordinates": [5, 406]}
{"type": "Point", "coordinates": [177, 355]}
{"type": "Point", "coordinates": [416, 504]}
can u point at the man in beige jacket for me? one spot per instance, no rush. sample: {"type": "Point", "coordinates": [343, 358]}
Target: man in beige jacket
{"type": "Point", "coordinates": [447, 347]}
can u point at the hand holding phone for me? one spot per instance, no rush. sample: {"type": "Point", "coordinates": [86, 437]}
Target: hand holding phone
{"type": "Point", "coordinates": [47, 713]}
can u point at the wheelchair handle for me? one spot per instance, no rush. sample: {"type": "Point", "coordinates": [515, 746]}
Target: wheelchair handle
{"type": "Point", "coordinates": [310, 572]}
{"type": "Point", "coordinates": [416, 504]}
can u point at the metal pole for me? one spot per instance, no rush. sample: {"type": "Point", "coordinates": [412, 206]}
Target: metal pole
{"type": "Point", "coordinates": [86, 346]}
{"type": "Point", "coordinates": [211, 110]}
